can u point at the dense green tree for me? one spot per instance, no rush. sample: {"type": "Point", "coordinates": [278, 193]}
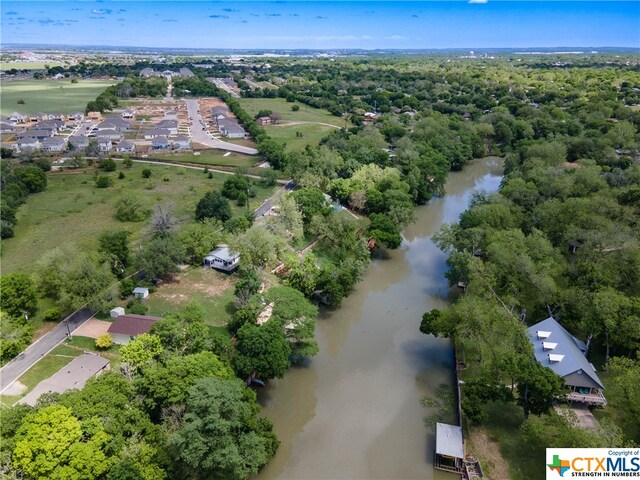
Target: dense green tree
{"type": "Point", "coordinates": [198, 239]}
{"type": "Point", "coordinates": [19, 296]}
{"type": "Point", "coordinates": [538, 388]}
{"type": "Point", "coordinates": [33, 178]}
{"type": "Point", "coordinates": [140, 352]}
{"type": "Point", "coordinates": [221, 437]}
{"type": "Point", "coordinates": [262, 351]}
{"type": "Point", "coordinates": [131, 207]}
{"type": "Point", "coordinates": [114, 244]}
{"type": "Point", "coordinates": [160, 257]}
{"type": "Point", "coordinates": [213, 205]}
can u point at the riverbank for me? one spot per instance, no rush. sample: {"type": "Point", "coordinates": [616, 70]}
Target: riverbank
{"type": "Point", "coordinates": [362, 393]}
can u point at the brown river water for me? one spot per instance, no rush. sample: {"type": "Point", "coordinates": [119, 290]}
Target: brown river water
{"type": "Point", "coordinates": [354, 410]}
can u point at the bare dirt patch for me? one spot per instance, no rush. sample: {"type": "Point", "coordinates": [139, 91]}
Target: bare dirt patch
{"type": "Point", "coordinates": [16, 388]}
{"type": "Point", "coordinates": [488, 452]}
{"type": "Point", "coordinates": [92, 328]}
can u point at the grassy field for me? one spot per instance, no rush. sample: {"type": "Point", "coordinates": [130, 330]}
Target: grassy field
{"type": "Point", "coordinates": [211, 157]}
{"type": "Point", "coordinates": [210, 288]}
{"type": "Point", "coordinates": [311, 134]}
{"type": "Point", "coordinates": [49, 95]}
{"type": "Point", "coordinates": [306, 114]}
{"type": "Point", "coordinates": [28, 65]}
{"type": "Point", "coordinates": [72, 211]}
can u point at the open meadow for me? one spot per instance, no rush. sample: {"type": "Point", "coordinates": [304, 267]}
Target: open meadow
{"type": "Point", "coordinates": [49, 95]}
{"type": "Point", "coordinates": [72, 211]}
{"type": "Point", "coordinates": [306, 113]}
{"type": "Point", "coordinates": [209, 157]}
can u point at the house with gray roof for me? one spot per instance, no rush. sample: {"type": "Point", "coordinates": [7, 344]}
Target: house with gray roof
{"type": "Point", "coordinates": [78, 141]}
{"type": "Point", "coordinates": [26, 143]}
{"type": "Point", "coordinates": [126, 146]}
{"type": "Point", "coordinates": [171, 125]}
{"type": "Point", "coordinates": [555, 348]}
{"type": "Point", "coordinates": [155, 133]}
{"type": "Point", "coordinates": [72, 376]}
{"type": "Point", "coordinates": [112, 134]}
{"type": "Point", "coordinates": [222, 258]}
{"type": "Point", "coordinates": [114, 123]}
{"type": "Point", "coordinates": [230, 128]}
{"type": "Point", "coordinates": [104, 144]}
{"type": "Point", "coordinates": [181, 143]}
{"type": "Point", "coordinates": [160, 143]}
{"type": "Point", "coordinates": [75, 117]}
{"type": "Point", "coordinates": [186, 72]}
{"type": "Point", "coordinates": [147, 72]}
{"type": "Point", "coordinates": [17, 117]}
{"type": "Point", "coordinates": [39, 134]}
{"type": "Point", "coordinates": [7, 127]}
{"type": "Point", "coordinates": [53, 144]}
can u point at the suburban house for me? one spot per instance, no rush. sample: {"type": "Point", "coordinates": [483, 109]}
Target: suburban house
{"type": "Point", "coordinates": [38, 116]}
{"type": "Point", "coordinates": [230, 128]}
{"type": "Point", "coordinates": [17, 117]}
{"type": "Point", "coordinates": [147, 72]}
{"type": "Point", "coordinates": [94, 116]}
{"type": "Point", "coordinates": [127, 327]}
{"type": "Point", "coordinates": [181, 143]}
{"type": "Point", "coordinates": [75, 117]}
{"type": "Point", "coordinates": [220, 110]}
{"type": "Point", "coordinates": [53, 144]}
{"type": "Point", "coordinates": [113, 135]}
{"type": "Point", "coordinates": [39, 134]}
{"type": "Point", "coordinates": [140, 292]}
{"type": "Point", "coordinates": [114, 123]}
{"type": "Point", "coordinates": [126, 146]}
{"type": "Point", "coordinates": [54, 125]}
{"type": "Point", "coordinates": [78, 141]}
{"type": "Point", "coordinates": [186, 72]}
{"type": "Point", "coordinates": [222, 259]}
{"type": "Point", "coordinates": [156, 132]}
{"type": "Point", "coordinates": [171, 125]}
{"type": "Point", "coordinates": [56, 116]}
{"type": "Point", "coordinates": [557, 349]}
{"type": "Point", "coordinates": [104, 144]}
{"type": "Point", "coordinates": [27, 143]}
{"type": "Point", "coordinates": [160, 143]}
{"type": "Point", "coordinates": [7, 127]}
{"type": "Point", "coordinates": [73, 375]}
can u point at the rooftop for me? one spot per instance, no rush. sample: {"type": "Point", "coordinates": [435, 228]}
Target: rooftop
{"type": "Point", "coordinates": [223, 253]}
{"type": "Point", "coordinates": [449, 440]}
{"type": "Point", "coordinates": [556, 348]}
{"type": "Point", "coordinates": [133, 324]}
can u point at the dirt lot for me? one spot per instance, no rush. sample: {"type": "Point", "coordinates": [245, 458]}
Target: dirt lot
{"type": "Point", "coordinates": [92, 328]}
{"type": "Point", "coordinates": [488, 452]}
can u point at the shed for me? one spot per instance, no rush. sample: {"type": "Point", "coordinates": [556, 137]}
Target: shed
{"type": "Point", "coordinates": [222, 258]}
{"type": "Point", "coordinates": [127, 327]}
{"type": "Point", "coordinates": [449, 448]}
{"type": "Point", "coordinates": [116, 312]}
{"type": "Point", "coordinates": [141, 292]}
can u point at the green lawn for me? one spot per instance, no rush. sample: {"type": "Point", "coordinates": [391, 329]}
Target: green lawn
{"type": "Point", "coordinates": [311, 134]}
{"type": "Point", "coordinates": [72, 211]}
{"type": "Point", "coordinates": [49, 95]}
{"type": "Point", "coordinates": [211, 289]}
{"type": "Point", "coordinates": [306, 114]}
{"type": "Point", "coordinates": [28, 65]}
{"type": "Point", "coordinates": [211, 157]}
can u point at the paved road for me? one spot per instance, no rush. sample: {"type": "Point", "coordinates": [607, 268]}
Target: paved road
{"type": "Point", "coordinates": [23, 362]}
{"type": "Point", "coordinates": [268, 203]}
{"type": "Point", "coordinates": [199, 133]}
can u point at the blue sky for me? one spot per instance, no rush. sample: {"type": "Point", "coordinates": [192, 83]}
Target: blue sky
{"type": "Point", "coordinates": [323, 24]}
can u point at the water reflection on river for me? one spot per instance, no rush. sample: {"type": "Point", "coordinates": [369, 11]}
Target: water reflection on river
{"type": "Point", "coordinates": [354, 410]}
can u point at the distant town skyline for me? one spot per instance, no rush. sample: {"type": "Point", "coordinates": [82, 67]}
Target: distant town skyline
{"type": "Point", "coordinates": [361, 24]}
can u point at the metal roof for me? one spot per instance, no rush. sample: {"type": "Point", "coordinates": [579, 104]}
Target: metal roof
{"type": "Point", "coordinates": [223, 253]}
{"type": "Point", "coordinates": [567, 356]}
{"type": "Point", "coordinates": [133, 324]}
{"type": "Point", "coordinates": [449, 440]}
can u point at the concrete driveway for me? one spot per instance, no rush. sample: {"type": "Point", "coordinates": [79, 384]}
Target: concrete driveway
{"type": "Point", "coordinates": [201, 135]}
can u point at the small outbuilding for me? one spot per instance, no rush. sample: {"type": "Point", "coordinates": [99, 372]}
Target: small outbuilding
{"type": "Point", "coordinates": [222, 258]}
{"type": "Point", "coordinates": [449, 448]}
{"type": "Point", "coordinates": [141, 292]}
{"type": "Point", "coordinates": [116, 312]}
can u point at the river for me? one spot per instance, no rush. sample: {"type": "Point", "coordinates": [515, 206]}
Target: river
{"type": "Point", "coordinates": [354, 410]}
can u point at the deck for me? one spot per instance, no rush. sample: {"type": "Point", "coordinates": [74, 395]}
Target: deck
{"type": "Point", "coordinates": [588, 398]}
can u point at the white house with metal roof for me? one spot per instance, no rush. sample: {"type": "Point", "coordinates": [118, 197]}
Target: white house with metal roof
{"type": "Point", "coordinates": [222, 258]}
{"type": "Point", "coordinates": [555, 348]}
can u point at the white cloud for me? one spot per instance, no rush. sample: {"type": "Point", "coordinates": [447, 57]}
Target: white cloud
{"type": "Point", "coordinates": [396, 37]}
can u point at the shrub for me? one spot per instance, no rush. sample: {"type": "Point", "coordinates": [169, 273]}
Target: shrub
{"type": "Point", "coordinates": [104, 342]}
{"type": "Point", "coordinates": [104, 181]}
{"type": "Point", "coordinates": [131, 208]}
{"type": "Point", "coordinates": [136, 307]}
{"type": "Point", "coordinates": [51, 315]}
{"type": "Point", "coordinates": [295, 108]}
{"type": "Point", "coordinates": [146, 173]}
{"type": "Point", "coordinates": [121, 175]}
{"type": "Point", "coordinates": [108, 165]}
{"type": "Point", "coordinates": [126, 287]}
{"type": "Point", "coordinates": [128, 162]}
